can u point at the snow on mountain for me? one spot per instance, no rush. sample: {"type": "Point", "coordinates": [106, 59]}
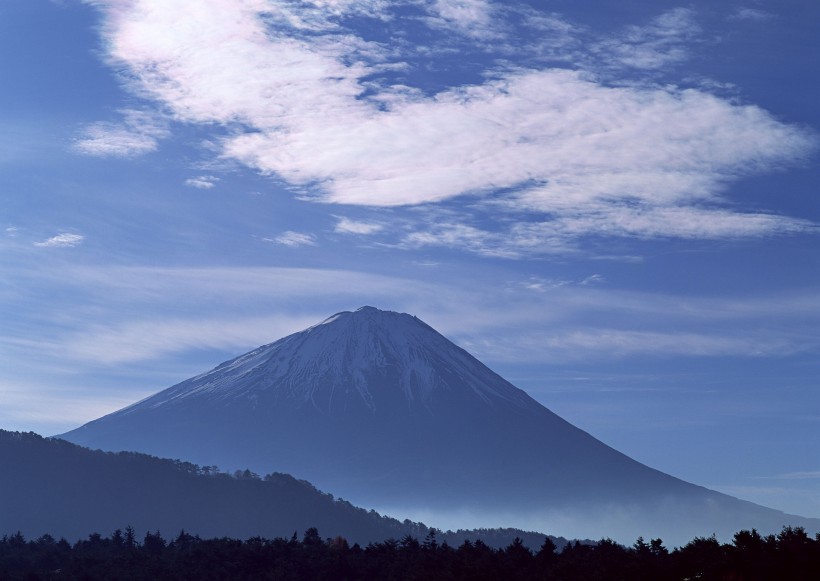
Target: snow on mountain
{"type": "Point", "coordinates": [363, 358]}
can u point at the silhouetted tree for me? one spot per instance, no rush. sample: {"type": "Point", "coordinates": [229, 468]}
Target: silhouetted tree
{"type": "Point", "coordinates": [790, 555]}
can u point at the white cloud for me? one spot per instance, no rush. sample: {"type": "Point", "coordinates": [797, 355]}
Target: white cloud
{"type": "Point", "coordinates": [293, 239]}
{"type": "Point", "coordinates": [753, 14]}
{"type": "Point", "coordinates": [585, 143]}
{"type": "Point", "coordinates": [672, 222]}
{"type": "Point", "coordinates": [465, 237]}
{"type": "Point", "coordinates": [318, 15]}
{"type": "Point", "coordinates": [560, 234]}
{"type": "Point", "coordinates": [658, 45]}
{"type": "Point", "coordinates": [150, 339]}
{"type": "Point", "coordinates": [62, 241]}
{"type": "Point", "coordinates": [348, 226]}
{"type": "Point", "coordinates": [539, 284]}
{"type": "Point", "coordinates": [137, 134]}
{"type": "Point", "coordinates": [592, 279]}
{"type": "Point", "coordinates": [106, 139]}
{"type": "Point", "coordinates": [12, 231]}
{"type": "Point", "coordinates": [204, 182]}
{"type": "Point", "coordinates": [612, 160]}
{"type": "Point", "coordinates": [475, 18]}
{"type": "Point", "coordinates": [577, 344]}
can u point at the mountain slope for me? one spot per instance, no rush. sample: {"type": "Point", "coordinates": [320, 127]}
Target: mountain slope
{"type": "Point", "coordinates": [381, 409]}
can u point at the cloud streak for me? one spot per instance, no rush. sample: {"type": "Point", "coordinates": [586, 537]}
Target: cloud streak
{"type": "Point", "coordinates": [752, 14]}
{"type": "Point", "coordinates": [658, 45]}
{"type": "Point", "coordinates": [536, 320]}
{"type": "Point", "coordinates": [582, 344]}
{"type": "Point", "coordinates": [293, 239]}
{"type": "Point", "coordinates": [137, 134]}
{"type": "Point", "coordinates": [204, 182]}
{"type": "Point", "coordinates": [348, 226]}
{"type": "Point", "coordinates": [561, 234]}
{"type": "Point", "coordinates": [153, 339]}
{"type": "Point", "coordinates": [64, 240]}
{"type": "Point", "coordinates": [806, 475]}
{"type": "Point", "coordinates": [473, 18]}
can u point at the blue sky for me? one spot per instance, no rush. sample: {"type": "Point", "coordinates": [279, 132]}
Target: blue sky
{"type": "Point", "coordinates": [612, 204]}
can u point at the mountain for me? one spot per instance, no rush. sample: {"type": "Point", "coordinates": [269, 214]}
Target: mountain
{"type": "Point", "coordinates": [54, 487]}
{"type": "Point", "coordinates": [381, 409]}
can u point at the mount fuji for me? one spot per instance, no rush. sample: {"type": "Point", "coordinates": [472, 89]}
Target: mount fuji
{"type": "Point", "coordinates": [379, 408]}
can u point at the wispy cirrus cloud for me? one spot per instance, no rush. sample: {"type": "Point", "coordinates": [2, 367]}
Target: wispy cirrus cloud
{"type": "Point", "coordinates": [473, 239]}
{"type": "Point", "coordinates": [473, 18]}
{"type": "Point", "coordinates": [64, 240]}
{"type": "Point", "coordinates": [535, 320]}
{"type": "Point", "coordinates": [805, 475]}
{"type": "Point", "coordinates": [145, 340]}
{"type": "Point", "coordinates": [306, 101]}
{"type": "Point", "coordinates": [540, 284]}
{"type": "Point", "coordinates": [203, 182]}
{"type": "Point", "coordinates": [752, 14]}
{"type": "Point", "coordinates": [602, 343]}
{"type": "Point", "coordinates": [663, 42]}
{"type": "Point", "coordinates": [293, 239]}
{"type": "Point", "coordinates": [348, 226]}
{"type": "Point", "coordinates": [560, 235]}
{"type": "Point", "coordinates": [138, 133]}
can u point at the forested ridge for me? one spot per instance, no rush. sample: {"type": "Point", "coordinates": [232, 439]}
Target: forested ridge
{"type": "Point", "coordinates": [790, 555]}
{"type": "Point", "coordinates": [50, 486]}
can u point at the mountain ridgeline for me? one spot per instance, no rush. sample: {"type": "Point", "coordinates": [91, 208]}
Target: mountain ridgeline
{"type": "Point", "coordinates": [381, 409]}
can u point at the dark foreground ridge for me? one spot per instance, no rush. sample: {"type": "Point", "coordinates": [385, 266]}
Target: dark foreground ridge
{"type": "Point", "coordinates": [53, 487]}
{"type": "Point", "coordinates": [379, 408]}
{"type": "Point", "coordinates": [789, 555]}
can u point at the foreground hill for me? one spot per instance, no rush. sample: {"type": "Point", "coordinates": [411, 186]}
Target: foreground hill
{"type": "Point", "coordinates": [380, 408]}
{"type": "Point", "coordinates": [55, 487]}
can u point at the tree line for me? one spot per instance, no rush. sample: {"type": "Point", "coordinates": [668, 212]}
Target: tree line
{"type": "Point", "coordinates": [792, 554]}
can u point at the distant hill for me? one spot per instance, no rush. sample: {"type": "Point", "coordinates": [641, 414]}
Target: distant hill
{"type": "Point", "coordinates": [50, 486]}
{"type": "Point", "coordinates": [381, 409]}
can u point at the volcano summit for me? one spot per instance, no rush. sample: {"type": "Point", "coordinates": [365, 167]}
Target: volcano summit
{"type": "Point", "coordinates": [379, 408]}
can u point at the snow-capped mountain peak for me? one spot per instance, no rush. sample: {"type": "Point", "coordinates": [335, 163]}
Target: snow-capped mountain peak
{"type": "Point", "coordinates": [365, 358]}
